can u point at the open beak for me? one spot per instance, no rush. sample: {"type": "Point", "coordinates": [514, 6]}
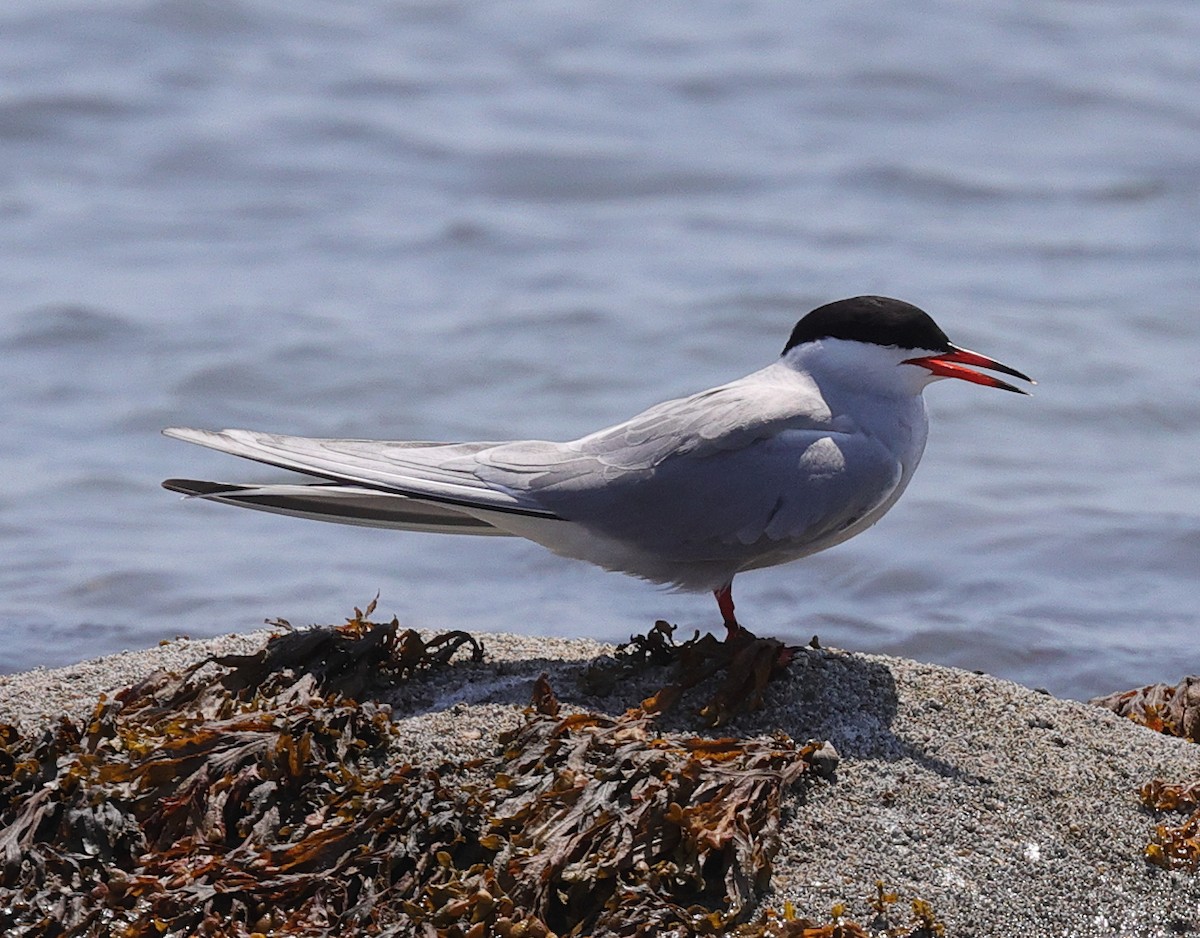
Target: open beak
{"type": "Point", "coordinates": [953, 364]}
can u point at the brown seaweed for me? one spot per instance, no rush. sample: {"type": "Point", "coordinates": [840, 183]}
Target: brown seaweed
{"type": "Point", "coordinates": [746, 662]}
{"type": "Point", "coordinates": [1173, 709]}
{"type": "Point", "coordinates": [265, 794]}
{"type": "Point", "coordinates": [882, 904]}
{"type": "Point", "coordinates": [1174, 847]}
{"type": "Point", "coordinates": [612, 828]}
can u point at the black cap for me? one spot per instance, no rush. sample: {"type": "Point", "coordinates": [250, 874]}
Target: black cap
{"type": "Point", "coordinates": [879, 320]}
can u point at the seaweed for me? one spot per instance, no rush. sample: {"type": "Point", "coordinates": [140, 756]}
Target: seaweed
{"type": "Point", "coordinates": [1173, 709]}
{"type": "Point", "coordinates": [267, 794]}
{"type": "Point", "coordinates": [1174, 847]}
{"type": "Point", "coordinates": [609, 827]}
{"type": "Point", "coordinates": [186, 804]}
{"type": "Point", "coordinates": [922, 924]}
{"type": "Point", "coordinates": [748, 664]}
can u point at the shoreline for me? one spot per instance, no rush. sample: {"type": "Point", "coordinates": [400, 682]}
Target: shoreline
{"type": "Point", "coordinates": [1011, 812]}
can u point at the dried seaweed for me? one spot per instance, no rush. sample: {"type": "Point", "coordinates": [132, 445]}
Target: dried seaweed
{"type": "Point", "coordinates": [922, 922]}
{"type": "Point", "coordinates": [1173, 709]}
{"type": "Point", "coordinates": [1174, 847]}
{"type": "Point", "coordinates": [263, 794]}
{"type": "Point", "coordinates": [1178, 847]}
{"type": "Point", "coordinates": [610, 828]}
{"type": "Point", "coordinates": [1162, 796]}
{"type": "Point", "coordinates": [748, 663]}
{"type": "Point", "coordinates": [189, 804]}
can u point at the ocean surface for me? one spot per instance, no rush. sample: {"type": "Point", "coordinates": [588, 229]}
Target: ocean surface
{"type": "Point", "coordinates": [489, 220]}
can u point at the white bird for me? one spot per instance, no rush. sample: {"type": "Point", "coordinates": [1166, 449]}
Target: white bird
{"type": "Point", "coordinates": [772, 467]}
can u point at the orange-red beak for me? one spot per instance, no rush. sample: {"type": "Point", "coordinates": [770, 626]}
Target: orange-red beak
{"type": "Point", "coordinates": [953, 364]}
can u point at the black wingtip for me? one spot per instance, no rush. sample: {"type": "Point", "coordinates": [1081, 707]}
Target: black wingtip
{"type": "Point", "coordinates": [196, 487]}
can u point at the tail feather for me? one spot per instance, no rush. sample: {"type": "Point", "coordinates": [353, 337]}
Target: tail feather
{"type": "Point", "coordinates": [342, 504]}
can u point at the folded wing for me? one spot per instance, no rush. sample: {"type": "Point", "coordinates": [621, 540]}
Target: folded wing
{"type": "Point", "coordinates": [344, 504]}
{"type": "Point", "coordinates": [444, 473]}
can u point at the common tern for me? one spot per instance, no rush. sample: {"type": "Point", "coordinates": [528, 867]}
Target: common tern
{"type": "Point", "coordinates": [764, 470]}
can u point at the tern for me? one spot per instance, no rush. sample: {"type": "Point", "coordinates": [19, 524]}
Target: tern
{"type": "Point", "coordinates": [788, 461]}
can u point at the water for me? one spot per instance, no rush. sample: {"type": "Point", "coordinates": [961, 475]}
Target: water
{"type": "Point", "coordinates": [457, 220]}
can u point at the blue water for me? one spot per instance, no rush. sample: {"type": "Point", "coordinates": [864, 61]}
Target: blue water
{"type": "Point", "coordinates": [458, 220]}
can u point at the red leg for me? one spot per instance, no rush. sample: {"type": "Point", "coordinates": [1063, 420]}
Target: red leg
{"type": "Point", "coordinates": [725, 604]}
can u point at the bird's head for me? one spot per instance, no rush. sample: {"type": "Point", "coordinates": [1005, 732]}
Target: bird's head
{"type": "Point", "coordinates": [887, 343]}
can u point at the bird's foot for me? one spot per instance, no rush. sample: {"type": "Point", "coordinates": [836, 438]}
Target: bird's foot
{"type": "Point", "coordinates": [736, 632]}
{"type": "Point", "coordinates": [743, 665]}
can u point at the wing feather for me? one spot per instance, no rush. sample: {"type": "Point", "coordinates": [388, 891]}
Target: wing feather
{"type": "Point", "coordinates": [441, 472]}
{"type": "Point", "coordinates": [344, 504]}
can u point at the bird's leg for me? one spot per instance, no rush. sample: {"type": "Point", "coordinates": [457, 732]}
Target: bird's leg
{"type": "Point", "coordinates": [724, 597]}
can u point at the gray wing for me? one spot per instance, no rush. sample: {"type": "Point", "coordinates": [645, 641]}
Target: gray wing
{"type": "Point", "coordinates": [792, 490]}
{"type": "Point", "coordinates": [724, 418]}
{"type": "Point", "coordinates": [757, 461]}
{"type": "Point", "coordinates": [729, 417]}
{"type": "Point", "coordinates": [439, 472]}
{"type": "Point", "coordinates": [510, 475]}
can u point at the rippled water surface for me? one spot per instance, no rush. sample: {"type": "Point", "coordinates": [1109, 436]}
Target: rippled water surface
{"type": "Point", "coordinates": [453, 220]}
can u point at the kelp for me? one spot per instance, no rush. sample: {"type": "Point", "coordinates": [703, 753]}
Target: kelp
{"type": "Point", "coordinates": [267, 794]}
{"type": "Point", "coordinates": [611, 828]}
{"type": "Point", "coordinates": [1174, 847]}
{"type": "Point", "coordinates": [1173, 709]}
{"type": "Point", "coordinates": [882, 904]}
{"type": "Point", "coordinates": [187, 804]}
{"type": "Point", "coordinates": [746, 662]}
